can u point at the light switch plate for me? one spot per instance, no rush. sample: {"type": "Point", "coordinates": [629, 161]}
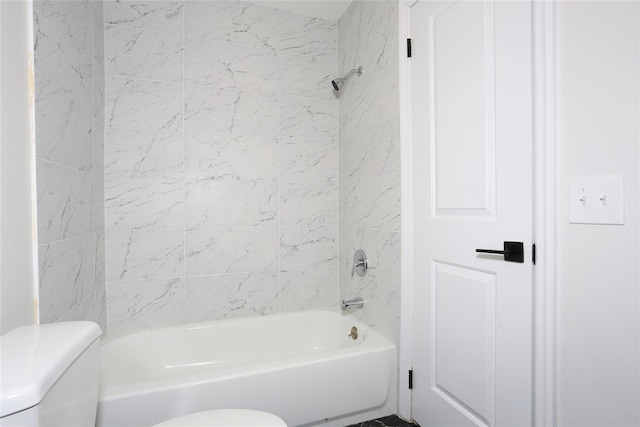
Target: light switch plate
{"type": "Point", "coordinates": [596, 199]}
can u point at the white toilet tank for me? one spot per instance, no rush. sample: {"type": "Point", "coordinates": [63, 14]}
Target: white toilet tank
{"type": "Point", "coordinates": [49, 375]}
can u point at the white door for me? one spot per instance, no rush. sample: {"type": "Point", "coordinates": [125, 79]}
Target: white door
{"type": "Point", "coordinates": [471, 90]}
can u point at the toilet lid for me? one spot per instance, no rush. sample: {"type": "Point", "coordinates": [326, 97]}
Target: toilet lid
{"type": "Point", "coordinates": [226, 418]}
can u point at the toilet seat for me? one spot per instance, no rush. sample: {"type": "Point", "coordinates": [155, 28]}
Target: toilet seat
{"type": "Point", "coordinates": [226, 418]}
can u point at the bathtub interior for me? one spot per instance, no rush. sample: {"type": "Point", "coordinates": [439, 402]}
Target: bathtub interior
{"type": "Point", "coordinates": [190, 349]}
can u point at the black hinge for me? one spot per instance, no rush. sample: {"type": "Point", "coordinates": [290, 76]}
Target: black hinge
{"type": "Point", "coordinates": [410, 379]}
{"type": "Point", "coordinates": [533, 253]}
{"type": "Point", "coordinates": [408, 48]}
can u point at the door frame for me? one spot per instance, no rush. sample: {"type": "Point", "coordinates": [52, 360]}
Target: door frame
{"type": "Point", "coordinates": [545, 222]}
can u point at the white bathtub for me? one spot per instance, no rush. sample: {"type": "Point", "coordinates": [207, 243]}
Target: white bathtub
{"type": "Point", "coordinates": [302, 367]}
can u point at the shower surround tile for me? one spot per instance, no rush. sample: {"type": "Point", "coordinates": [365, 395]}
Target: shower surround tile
{"type": "Point", "coordinates": [166, 16]}
{"type": "Point", "coordinates": [309, 204]}
{"type": "Point", "coordinates": [305, 75]}
{"type": "Point", "coordinates": [230, 111]}
{"type": "Point", "coordinates": [232, 203]}
{"type": "Point", "coordinates": [375, 203]}
{"type": "Point", "coordinates": [143, 203]}
{"type": "Point", "coordinates": [141, 54]}
{"type": "Point", "coordinates": [143, 154]}
{"type": "Point", "coordinates": [374, 152]}
{"type": "Point", "coordinates": [146, 303]}
{"type": "Point", "coordinates": [235, 22]}
{"type": "Point", "coordinates": [62, 49]}
{"type": "Point", "coordinates": [69, 263]}
{"type": "Point", "coordinates": [306, 247]}
{"type": "Point", "coordinates": [308, 36]}
{"type": "Point", "coordinates": [219, 64]}
{"type": "Point", "coordinates": [308, 161]}
{"type": "Point", "coordinates": [63, 127]}
{"type": "Point", "coordinates": [373, 99]}
{"type": "Point", "coordinates": [308, 118]}
{"type": "Point", "coordinates": [230, 157]}
{"type": "Point", "coordinates": [231, 250]}
{"type": "Point", "coordinates": [144, 254]}
{"type": "Point", "coordinates": [232, 295]}
{"type": "Point", "coordinates": [64, 202]}
{"type": "Point", "coordinates": [307, 289]}
{"type": "Point", "coordinates": [142, 104]}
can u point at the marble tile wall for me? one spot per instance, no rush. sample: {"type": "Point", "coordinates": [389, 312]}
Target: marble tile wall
{"type": "Point", "coordinates": [369, 166]}
{"type": "Point", "coordinates": [221, 162]}
{"type": "Point", "coordinates": [69, 126]}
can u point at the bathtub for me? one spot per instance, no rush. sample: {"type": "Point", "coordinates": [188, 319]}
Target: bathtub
{"type": "Point", "coordinates": [304, 367]}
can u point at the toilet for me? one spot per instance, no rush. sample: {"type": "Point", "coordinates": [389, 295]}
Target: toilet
{"type": "Point", "coordinates": [50, 373]}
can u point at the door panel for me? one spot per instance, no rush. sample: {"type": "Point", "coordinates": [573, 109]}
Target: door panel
{"type": "Point", "coordinates": [472, 188]}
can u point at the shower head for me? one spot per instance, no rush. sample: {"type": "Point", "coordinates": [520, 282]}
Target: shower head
{"type": "Point", "coordinates": [337, 83]}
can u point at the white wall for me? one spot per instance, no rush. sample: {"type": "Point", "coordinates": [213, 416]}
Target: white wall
{"type": "Point", "coordinates": [17, 155]}
{"type": "Point", "coordinates": [598, 265]}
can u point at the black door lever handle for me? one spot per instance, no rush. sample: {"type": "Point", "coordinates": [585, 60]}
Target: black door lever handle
{"type": "Point", "coordinates": [513, 251]}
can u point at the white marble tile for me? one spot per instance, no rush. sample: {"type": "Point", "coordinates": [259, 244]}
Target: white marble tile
{"type": "Point", "coordinates": [142, 54]}
{"type": "Point", "coordinates": [232, 21]}
{"type": "Point", "coordinates": [97, 207]}
{"type": "Point", "coordinates": [220, 64]}
{"type": "Point", "coordinates": [308, 161]}
{"type": "Point", "coordinates": [346, 260]}
{"type": "Point", "coordinates": [142, 104]}
{"type": "Point", "coordinates": [84, 310]}
{"type": "Point", "coordinates": [231, 203]}
{"type": "Point", "coordinates": [230, 111]}
{"type": "Point", "coordinates": [375, 203]}
{"type": "Point", "coordinates": [309, 289]}
{"type": "Point", "coordinates": [143, 154]}
{"type": "Point", "coordinates": [66, 275]}
{"type": "Point", "coordinates": [343, 158]}
{"type": "Point", "coordinates": [63, 127]}
{"type": "Point", "coordinates": [98, 62]}
{"type": "Point", "coordinates": [230, 157]}
{"type": "Point", "coordinates": [144, 203]}
{"type": "Point", "coordinates": [309, 204]}
{"type": "Point", "coordinates": [308, 118]}
{"type": "Point", "coordinates": [374, 35]}
{"type": "Point", "coordinates": [62, 50]}
{"type": "Point", "coordinates": [64, 202]}
{"type": "Point", "coordinates": [144, 254]}
{"type": "Point", "coordinates": [376, 151]}
{"type": "Point", "coordinates": [345, 62]}
{"type": "Point", "coordinates": [306, 247]}
{"type": "Point", "coordinates": [78, 16]}
{"type": "Point", "coordinates": [148, 303]}
{"type": "Point", "coordinates": [305, 75]}
{"type": "Point", "coordinates": [166, 16]}
{"type": "Point", "coordinates": [232, 295]}
{"type": "Point", "coordinates": [101, 282]}
{"type": "Point", "coordinates": [231, 250]}
{"type": "Point", "coordinates": [307, 35]}
{"type": "Point", "coordinates": [374, 99]}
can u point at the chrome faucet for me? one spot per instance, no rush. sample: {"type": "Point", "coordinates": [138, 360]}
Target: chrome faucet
{"type": "Point", "coordinates": [352, 303]}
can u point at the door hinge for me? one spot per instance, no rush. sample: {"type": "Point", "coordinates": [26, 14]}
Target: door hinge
{"type": "Point", "coordinates": [410, 379]}
{"type": "Point", "coordinates": [408, 48]}
{"type": "Point", "coordinates": [533, 253]}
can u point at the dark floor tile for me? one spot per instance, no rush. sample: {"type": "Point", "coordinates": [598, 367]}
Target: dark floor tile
{"type": "Point", "coordinates": [390, 421]}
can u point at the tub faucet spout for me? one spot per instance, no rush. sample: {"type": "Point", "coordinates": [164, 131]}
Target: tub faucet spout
{"type": "Point", "coordinates": [352, 303]}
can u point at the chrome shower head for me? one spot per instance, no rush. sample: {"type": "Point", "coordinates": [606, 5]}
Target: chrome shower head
{"type": "Point", "coordinates": [340, 81]}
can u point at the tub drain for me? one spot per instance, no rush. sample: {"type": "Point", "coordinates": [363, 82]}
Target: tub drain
{"type": "Point", "coordinates": [354, 333]}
